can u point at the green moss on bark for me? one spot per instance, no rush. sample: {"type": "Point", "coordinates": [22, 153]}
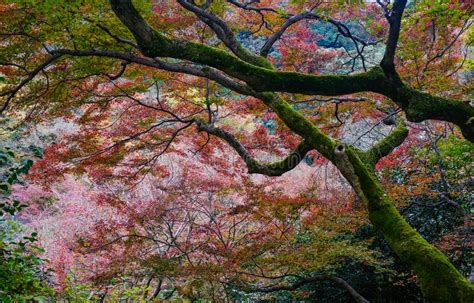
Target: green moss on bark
{"type": "Point", "coordinates": [420, 106]}
{"type": "Point", "coordinates": [439, 280]}
{"type": "Point", "coordinates": [262, 78]}
{"type": "Point", "coordinates": [386, 145]}
{"type": "Point", "coordinates": [298, 124]}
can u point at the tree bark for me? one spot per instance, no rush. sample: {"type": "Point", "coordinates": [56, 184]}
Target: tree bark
{"type": "Point", "coordinates": [439, 280]}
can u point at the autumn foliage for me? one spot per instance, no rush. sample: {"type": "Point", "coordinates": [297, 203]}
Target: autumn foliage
{"type": "Point", "coordinates": [159, 175]}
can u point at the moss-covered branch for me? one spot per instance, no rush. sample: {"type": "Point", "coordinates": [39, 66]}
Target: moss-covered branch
{"type": "Point", "coordinates": [255, 167]}
{"type": "Point", "coordinates": [385, 146]}
{"type": "Point", "coordinates": [299, 124]}
{"type": "Point", "coordinates": [152, 43]}
{"type": "Point", "coordinates": [439, 279]}
{"type": "Point", "coordinates": [418, 106]}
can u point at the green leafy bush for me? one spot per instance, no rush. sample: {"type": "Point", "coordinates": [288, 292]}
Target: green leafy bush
{"type": "Point", "coordinates": [21, 269]}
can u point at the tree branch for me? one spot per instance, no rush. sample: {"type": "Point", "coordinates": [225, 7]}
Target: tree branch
{"type": "Point", "coordinates": [199, 71]}
{"type": "Point", "coordinates": [273, 38]}
{"type": "Point", "coordinates": [225, 34]}
{"type": "Point", "coordinates": [11, 93]}
{"type": "Point", "coordinates": [341, 28]}
{"type": "Point", "coordinates": [385, 146]}
{"type": "Point", "coordinates": [418, 106]}
{"type": "Point", "coordinates": [255, 167]}
{"type": "Point", "coordinates": [303, 281]}
{"type": "Point", "coordinates": [109, 32]}
{"type": "Point", "coordinates": [394, 18]}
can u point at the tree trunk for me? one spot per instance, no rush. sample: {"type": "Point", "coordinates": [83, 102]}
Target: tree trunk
{"type": "Point", "coordinates": [439, 280]}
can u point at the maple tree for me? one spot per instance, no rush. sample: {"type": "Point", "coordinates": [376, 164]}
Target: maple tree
{"type": "Point", "coordinates": [152, 83]}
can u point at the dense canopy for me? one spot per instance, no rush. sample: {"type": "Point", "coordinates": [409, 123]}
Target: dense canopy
{"type": "Point", "coordinates": [228, 150]}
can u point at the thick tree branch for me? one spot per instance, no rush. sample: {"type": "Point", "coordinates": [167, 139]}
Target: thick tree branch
{"type": "Point", "coordinates": [154, 44]}
{"type": "Point", "coordinates": [299, 124]}
{"type": "Point", "coordinates": [385, 146]}
{"type": "Point", "coordinates": [418, 106]}
{"type": "Point", "coordinates": [254, 167]}
{"type": "Point", "coordinates": [225, 34]}
{"type": "Point", "coordinates": [394, 18]}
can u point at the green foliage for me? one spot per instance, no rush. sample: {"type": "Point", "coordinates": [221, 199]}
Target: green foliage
{"type": "Point", "coordinates": [12, 166]}
{"type": "Point", "coordinates": [457, 154]}
{"type": "Point", "coordinates": [21, 270]}
{"type": "Point", "coordinates": [20, 267]}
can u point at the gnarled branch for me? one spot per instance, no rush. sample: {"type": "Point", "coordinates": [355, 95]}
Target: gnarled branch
{"type": "Point", "coordinates": [225, 34]}
{"type": "Point", "coordinates": [417, 105]}
{"type": "Point", "coordinates": [254, 167]}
